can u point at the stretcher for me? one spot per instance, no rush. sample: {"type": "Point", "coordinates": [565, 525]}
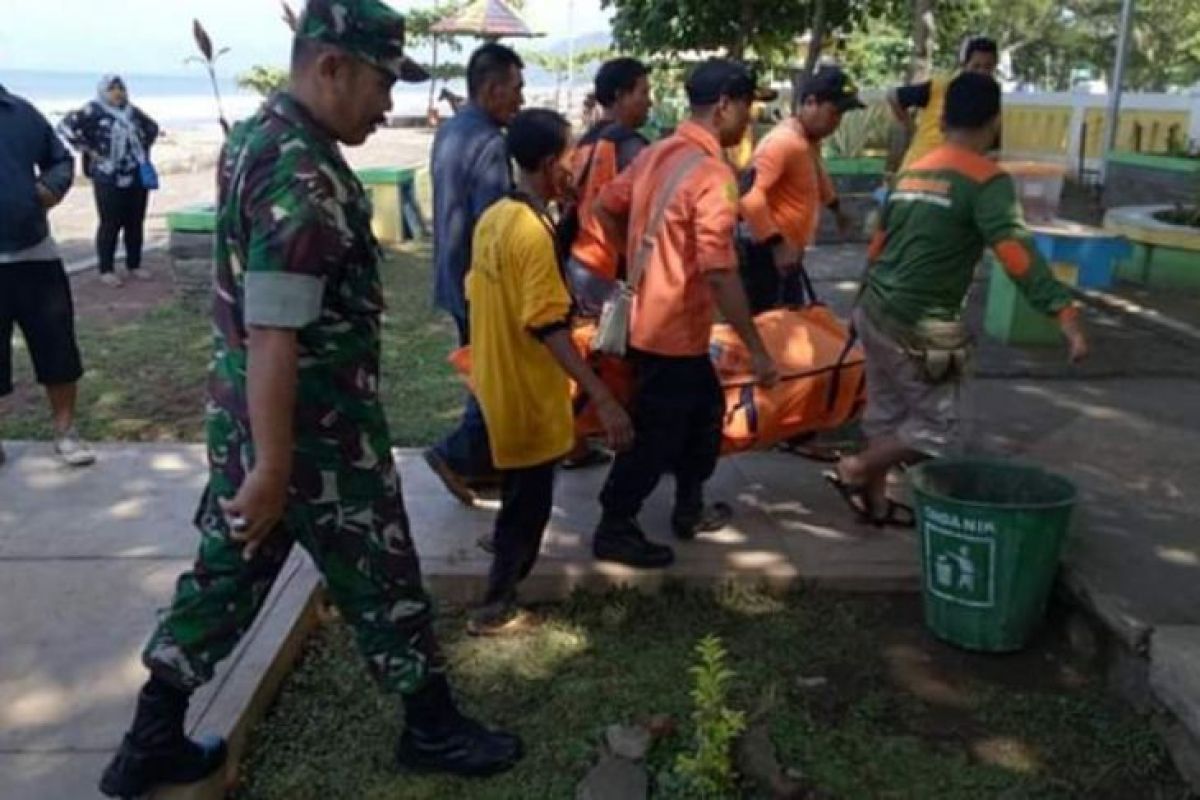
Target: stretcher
{"type": "Point", "coordinates": [821, 387]}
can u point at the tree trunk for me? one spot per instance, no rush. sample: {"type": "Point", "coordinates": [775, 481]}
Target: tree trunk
{"type": "Point", "coordinates": [737, 49]}
{"type": "Point", "coordinates": [918, 67]}
{"type": "Point", "coordinates": [432, 77]}
{"type": "Point", "coordinates": [816, 39]}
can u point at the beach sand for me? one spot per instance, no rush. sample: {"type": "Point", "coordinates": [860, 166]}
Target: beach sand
{"type": "Point", "coordinates": [186, 162]}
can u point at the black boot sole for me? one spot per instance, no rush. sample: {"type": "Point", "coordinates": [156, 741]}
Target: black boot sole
{"type": "Point", "coordinates": [637, 561]}
{"type": "Point", "coordinates": [126, 787]}
{"type": "Point", "coordinates": [411, 762]}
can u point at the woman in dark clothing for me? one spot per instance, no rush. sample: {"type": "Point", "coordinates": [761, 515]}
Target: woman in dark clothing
{"type": "Point", "coordinates": [115, 138]}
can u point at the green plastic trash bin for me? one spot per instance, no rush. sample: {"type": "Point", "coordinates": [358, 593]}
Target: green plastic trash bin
{"type": "Point", "coordinates": [991, 533]}
{"type": "Point", "coordinates": [191, 230]}
{"type": "Point", "coordinates": [396, 216]}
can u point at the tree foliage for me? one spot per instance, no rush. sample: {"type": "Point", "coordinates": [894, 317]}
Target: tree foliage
{"type": "Point", "coordinates": [767, 29]}
{"type": "Point", "coordinates": [263, 80]}
{"type": "Point", "coordinates": [1046, 40]}
{"type": "Point", "coordinates": [877, 53]}
{"type": "Point", "coordinates": [1049, 39]}
{"type": "Point", "coordinates": [560, 64]}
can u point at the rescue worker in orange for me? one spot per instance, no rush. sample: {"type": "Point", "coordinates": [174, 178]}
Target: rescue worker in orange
{"type": "Point", "coordinates": [679, 199]}
{"type": "Point", "coordinates": [790, 185]}
{"type": "Point", "coordinates": [602, 153]}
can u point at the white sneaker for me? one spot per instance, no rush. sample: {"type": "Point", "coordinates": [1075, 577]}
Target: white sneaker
{"type": "Point", "coordinates": [111, 279]}
{"type": "Point", "coordinates": [73, 451]}
{"type": "Point", "coordinates": [141, 274]}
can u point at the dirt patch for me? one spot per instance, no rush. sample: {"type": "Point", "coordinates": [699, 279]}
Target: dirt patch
{"type": "Point", "coordinates": [95, 302]}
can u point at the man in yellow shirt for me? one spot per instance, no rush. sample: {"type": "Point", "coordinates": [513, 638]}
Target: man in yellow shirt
{"type": "Point", "coordinates": [522, 358]}
{"type": "Point", "coordinates": [978, 54]}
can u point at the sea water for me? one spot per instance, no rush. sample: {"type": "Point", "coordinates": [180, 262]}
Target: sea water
{"type": "Point", "coordinates": [177, 102]}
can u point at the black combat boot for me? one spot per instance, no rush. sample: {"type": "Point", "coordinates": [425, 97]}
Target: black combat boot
{"type": "Point", "coordinates": [155, 750]}
{"type": "Point", "coordinates": [622, 541]}
{"type": "Point", "coordinates": [438, 738]}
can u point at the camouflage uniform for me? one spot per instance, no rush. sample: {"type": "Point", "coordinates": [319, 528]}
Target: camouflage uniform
{"type": "Point", "coordinates": [294, 250]}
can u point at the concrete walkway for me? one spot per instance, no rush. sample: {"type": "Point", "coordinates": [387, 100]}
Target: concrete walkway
{"type": "Point", "coordinates": [87, 556]}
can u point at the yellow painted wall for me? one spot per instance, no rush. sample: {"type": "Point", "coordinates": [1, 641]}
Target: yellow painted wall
{"type": "Point", "coordinates": [1036, 129]}
{"type": "Point", "coordinates": [1046, 129]}
{"type": "Point", "coordinates": [1156, 128]}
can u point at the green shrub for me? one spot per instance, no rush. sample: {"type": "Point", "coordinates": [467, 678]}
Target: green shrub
{"type": "Point", "coordinates": [860, 131]}
{"type": "Point", "coordinates": [707, 773]}
{"type": "Point", "coordinates": [264, 80]}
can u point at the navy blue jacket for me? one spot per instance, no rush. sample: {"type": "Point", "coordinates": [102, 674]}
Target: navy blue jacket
{"type": "Point", "coordinates": [30, 154]}
{"type": "Point", "coordinates": [470, 172]}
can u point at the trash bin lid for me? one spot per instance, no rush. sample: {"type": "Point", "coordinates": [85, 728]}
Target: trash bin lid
{"type": "Point", "coordinates": [385, 176]}
{"type": "Point", "coordinates": [201, 218]}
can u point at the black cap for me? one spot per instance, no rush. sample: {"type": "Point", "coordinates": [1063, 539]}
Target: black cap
{"type": "Point", "coordinates": [720, 77]}
{"type": "Point", "coordinates": [830, 84]}
{"type": "Point", "coordinates": [972, 101]}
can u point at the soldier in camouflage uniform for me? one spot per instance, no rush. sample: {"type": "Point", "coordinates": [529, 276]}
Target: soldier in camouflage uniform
{"type": "Point", "coordinates": [298, 446]}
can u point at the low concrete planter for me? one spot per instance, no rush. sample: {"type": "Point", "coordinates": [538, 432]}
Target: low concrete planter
{"type": "Point", "coordinates": [1165, 256]}
{"type": "Point", "coordinates": [855, 179]}
{"type": "Point", "coordinates": [1139, 178]}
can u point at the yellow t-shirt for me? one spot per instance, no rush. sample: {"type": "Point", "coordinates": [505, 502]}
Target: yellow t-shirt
{"type": "Point", "coordinates": [514, 289]}
{"type": "Point", "coordinates": [928, 136]}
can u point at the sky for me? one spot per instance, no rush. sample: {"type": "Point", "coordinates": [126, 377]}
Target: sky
{"type": "Point", "coordinates": [154, 36]}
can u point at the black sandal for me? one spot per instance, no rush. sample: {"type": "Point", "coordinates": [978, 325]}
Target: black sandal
{"type": "Point", "coordinates": [855, 497]}
{"type": "Point", "coordinates": [825, 454]}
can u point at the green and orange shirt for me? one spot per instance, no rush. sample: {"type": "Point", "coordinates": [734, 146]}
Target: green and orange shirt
{"type": "Point", "coordinates": [946, 208]}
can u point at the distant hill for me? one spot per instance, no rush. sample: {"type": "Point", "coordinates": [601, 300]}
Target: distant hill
{"type": "Point", "coordinates": [585, 41]}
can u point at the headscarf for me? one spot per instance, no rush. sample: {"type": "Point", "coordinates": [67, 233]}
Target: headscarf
{"type": "Point", "coordinates": [125, 135]}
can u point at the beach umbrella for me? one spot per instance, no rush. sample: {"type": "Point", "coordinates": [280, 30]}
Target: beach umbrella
{"type": "Point", "coordinates": [483, 19]}
{"type": "Point", "coordinates": [486, 19]}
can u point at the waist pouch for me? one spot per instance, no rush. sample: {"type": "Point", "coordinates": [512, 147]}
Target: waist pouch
{"type": "Point", "coordinates": [941, 348]}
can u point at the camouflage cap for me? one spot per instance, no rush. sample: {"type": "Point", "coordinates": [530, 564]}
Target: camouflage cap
{"type": "Point", "coordinates": [367, 29]}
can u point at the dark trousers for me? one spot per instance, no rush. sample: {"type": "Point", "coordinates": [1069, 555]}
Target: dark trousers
{"type": "Point", "coordinates": [678, 411]}
{"type": "Point", "coordinates": [466, 448]}
{"type": "Point", "coordinates": [122, 210]}
{"type": "Point", "coordinates": [765, 287]}
{"type": "Point", "coordinates": [527, 498]}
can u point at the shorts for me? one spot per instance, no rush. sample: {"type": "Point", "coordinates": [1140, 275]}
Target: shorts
{"type": "Point", "coordinates": [36, 296]}
{"type": "Point", "coordinates": [926, 417]}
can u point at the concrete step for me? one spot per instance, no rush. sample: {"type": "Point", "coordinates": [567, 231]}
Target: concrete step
{"type": "Point", "coordinates": [1175, 682]}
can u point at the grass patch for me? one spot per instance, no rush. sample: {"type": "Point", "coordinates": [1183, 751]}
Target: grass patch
{"type": "Point", "coordinates": [900, 717]}
{"type": "Point", "coordinates": [146, 376]}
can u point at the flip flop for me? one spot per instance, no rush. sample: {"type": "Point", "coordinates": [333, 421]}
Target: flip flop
{"type": "Point", "coordinates": [855, 497]}
{"type": "Point", "coordinates": [826, 454]}
{"type": "Point", "coordinates": [897, 515]}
